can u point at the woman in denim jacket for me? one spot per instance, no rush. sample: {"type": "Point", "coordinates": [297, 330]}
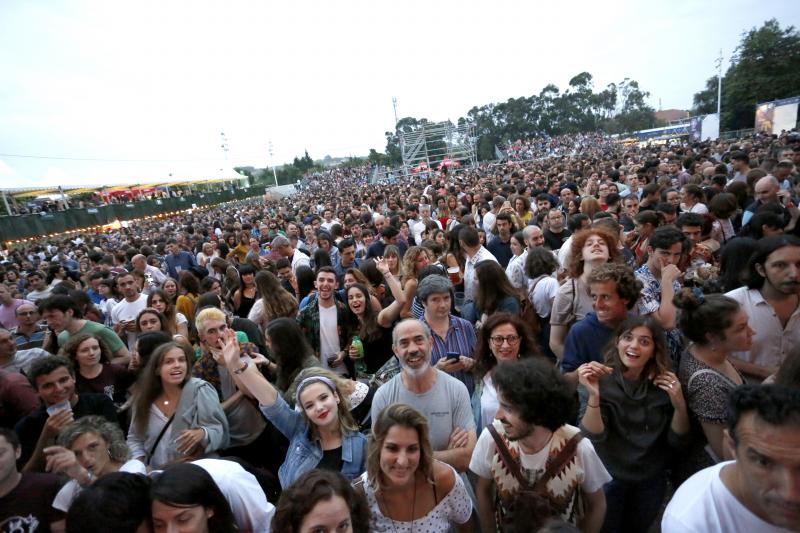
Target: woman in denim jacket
{"type": "Point", "coordinates": [321, 435]}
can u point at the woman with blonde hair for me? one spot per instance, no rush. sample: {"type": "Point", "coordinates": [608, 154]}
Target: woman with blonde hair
{"type": "Point", "coordinates": [406, 488]}
{"type": "Point", "coordinates": [275, 301]}
{"type": "Point", "coordinates": [415, 259]}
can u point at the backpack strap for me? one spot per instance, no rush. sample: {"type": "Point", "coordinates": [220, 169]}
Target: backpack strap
{"type": "Point", "coordinates": [557, 463]}
{"type": "Point", "coordinates": [505, 455]}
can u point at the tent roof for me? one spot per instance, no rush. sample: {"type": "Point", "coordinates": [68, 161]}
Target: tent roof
{"type": "Point", "coordinates": [24, 192]}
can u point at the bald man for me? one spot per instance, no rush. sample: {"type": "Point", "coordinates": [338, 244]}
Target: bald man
{"type": "Point", "coordinates": [139, 262]}
{"type": "Point", "coordinates": [766, 192]}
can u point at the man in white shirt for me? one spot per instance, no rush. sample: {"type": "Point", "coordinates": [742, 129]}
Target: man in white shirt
{"type": "Point", "coordinates": [124, 314]}
{"type": "Point", "coordinates": [515, 270]}
{"type": "Point", "coordinates": [771, 300]}
{"type": "Point", "coordinates": [38, 287]}
{"type": "Point", "coordinates": [760, 490]}
{"type": "Point", "coordinates": [490, 217]}
{"type": "Point", "coordinates": [470, 242]}
{"type": "Point", "coordinates": [139, 262]}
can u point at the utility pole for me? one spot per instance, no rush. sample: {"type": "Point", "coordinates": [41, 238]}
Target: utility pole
{"type": "Point", "coordinates": [719, 84]}
{"type": "Point", "coordinates": [225, 147]}
{"type": "Point", "coordinates": [272, 161]}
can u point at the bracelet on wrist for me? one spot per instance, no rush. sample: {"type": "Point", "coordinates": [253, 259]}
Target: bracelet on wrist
{"type": "Point", "coordinates": [593, 406]}
{"type": "Point", "coordinates": [242, 368]}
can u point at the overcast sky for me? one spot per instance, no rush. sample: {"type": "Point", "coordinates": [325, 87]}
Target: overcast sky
{"type": "Point", "coordinates": [144, 89]}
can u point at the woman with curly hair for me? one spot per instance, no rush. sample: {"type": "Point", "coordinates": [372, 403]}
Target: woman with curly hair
{"type": "Point", "coordinates": [275, 301]}
{"type": "Point", "coordinates": [406, 488]}
{"type": "Point", "coordinates": [503, 337]}
{"type": "Point", "coordinates": [94, 371]}
{"type": "Point", "coordinates": [590, 248]}
{"type": "Point", "coordinates": [321, 500]}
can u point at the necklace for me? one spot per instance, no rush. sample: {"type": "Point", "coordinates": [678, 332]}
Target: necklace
{"type": "Point", "coordinates": [413, 508]}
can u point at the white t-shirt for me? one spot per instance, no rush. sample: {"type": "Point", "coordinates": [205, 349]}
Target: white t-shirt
{"type": "Point", "coordinates": [593, 475]}
{"type": "Point", "coordinates": [489, 402]}
{"type": "Point", "coordinates": [703, 503]}
{"type": "Point", "coordinates": [543, 293]}
{"type": "Point", "coordinates": [125, 310]}
{"type": "Point", "coordinates": [329, 337]}
{"type": "Point", "coordinates": [65, 496]}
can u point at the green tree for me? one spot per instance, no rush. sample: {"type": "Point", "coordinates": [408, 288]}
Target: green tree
{"type": "Point", "coordinates": [705, 101]}
{"type": "Point", "coordinates": [763, 68]}
{"type": "Point", "coordinates": [303, 164]}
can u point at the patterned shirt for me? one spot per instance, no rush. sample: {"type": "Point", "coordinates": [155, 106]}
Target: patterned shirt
{"type": "Point", "coordinates": [309, 322]}
{"type": "Point", "coordinates": [650, 302]}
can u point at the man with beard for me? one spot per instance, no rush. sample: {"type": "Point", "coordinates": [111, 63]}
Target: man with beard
{"type": "Point", "coordinates": [771, 300]}
{"type": "Point", "coordinates": [441, 398]}
{"type": "Point", "coordinates": [535, 404]}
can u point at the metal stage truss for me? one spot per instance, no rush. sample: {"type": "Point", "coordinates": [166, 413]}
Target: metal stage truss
{"type": "Point", "coordinates": [432, 144]}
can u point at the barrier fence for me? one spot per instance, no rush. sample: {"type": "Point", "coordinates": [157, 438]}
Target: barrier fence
{"type": "Point", "coordinates": [41, 225]}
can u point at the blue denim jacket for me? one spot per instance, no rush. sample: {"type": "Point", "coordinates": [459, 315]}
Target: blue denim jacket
{"type": "Point", "coordinates": [304, 454]}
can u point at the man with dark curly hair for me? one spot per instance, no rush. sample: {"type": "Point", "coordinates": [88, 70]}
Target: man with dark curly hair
{"type": "Point", "coordinates": [614, 290]}
{"type": "Point", "coordinates": [529, 434]}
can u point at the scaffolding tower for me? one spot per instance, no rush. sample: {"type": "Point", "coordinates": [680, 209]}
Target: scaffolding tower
{"type": "Point", "coordinates": [434, 143]}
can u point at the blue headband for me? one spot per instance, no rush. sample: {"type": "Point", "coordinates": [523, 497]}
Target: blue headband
{"type": "Point", "coordinates": [312, 379]}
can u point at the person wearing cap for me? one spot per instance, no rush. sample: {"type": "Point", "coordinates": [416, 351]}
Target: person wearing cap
{"type": "Point", "coordinates": [322, 434]}
{"type": "Point", "coordinates": [283, 247]}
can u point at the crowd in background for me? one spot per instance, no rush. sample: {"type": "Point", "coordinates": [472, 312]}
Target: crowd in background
{"type": "Point", "coordinates": [570, 339]}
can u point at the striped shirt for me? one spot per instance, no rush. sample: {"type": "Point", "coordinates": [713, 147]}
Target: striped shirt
{"type": "Point", "coordinates": [461, 339]}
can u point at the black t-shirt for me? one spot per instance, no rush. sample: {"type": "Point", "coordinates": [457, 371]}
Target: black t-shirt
{"type": "Point", "coordinates": [378, 350]}
{"type": "Point", "coordinates": [113, 381]}
{"type": "Point", "coordinates": [29, 507]}
{"type": "Point", "coordinates": [30, 427]}
{"type": "Point", "coordinates": [556, 240]}
{"type": "Point", "coordinates": [331, 460]}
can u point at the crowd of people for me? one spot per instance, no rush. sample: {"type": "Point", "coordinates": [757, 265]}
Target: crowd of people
{"type": "Point", "coordinates": [588, 336]}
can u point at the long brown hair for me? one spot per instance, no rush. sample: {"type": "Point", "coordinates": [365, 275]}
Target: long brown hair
{"type": "Point", "coordinates": [493, 286]}
{"type": "Point", "coordinates": [398, 414]}
{"type": "Point", "coordinates": [169, 311]}
{"type": "Point", "coordinates": [277, 301]}
{"type": "Point", "coordinates": [149, 385]}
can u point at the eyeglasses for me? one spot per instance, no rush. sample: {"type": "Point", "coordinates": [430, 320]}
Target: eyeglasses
{"type": "Point", "coordinates": [497, 340]}
{"type": "Point", "coordinates": [27, 313]}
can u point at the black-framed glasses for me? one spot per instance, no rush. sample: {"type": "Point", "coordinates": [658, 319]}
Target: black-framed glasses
{"type": "Point", "coordinates": [497, 340]}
